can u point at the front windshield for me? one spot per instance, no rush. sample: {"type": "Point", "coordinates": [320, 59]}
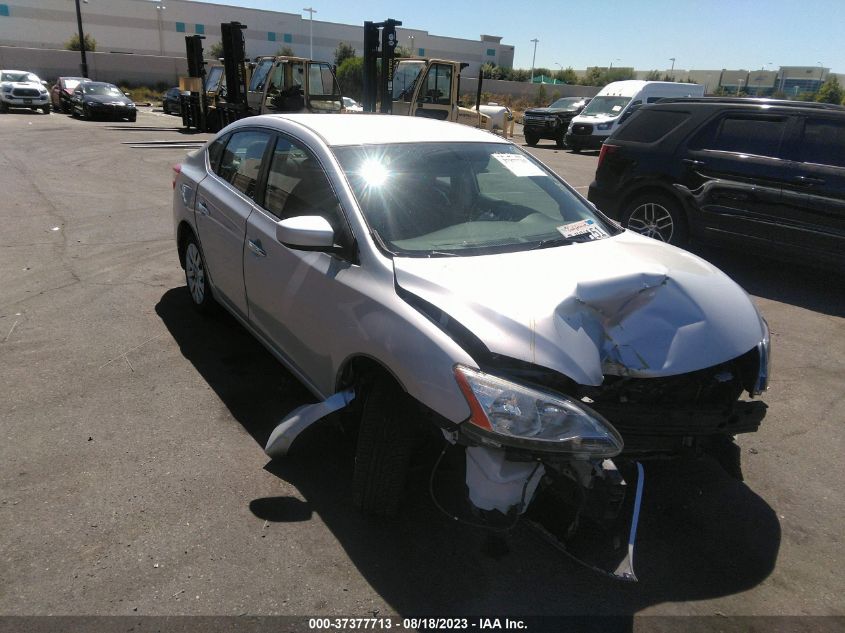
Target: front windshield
{"type": "Point", "coordinates": [70, 84]}
{"type": "Point", "coordinates": [20, 77]}
{"type": "Point", "coordinates": [405, 78]}
{"type": "Point", "coordinates": [570, 104]}
{"type": "Point", "coordinates": [606, 105]}
{"type": "Point", "coordinates": [102, 89]}
{"type": "Point", "coordinates": [432, 199]}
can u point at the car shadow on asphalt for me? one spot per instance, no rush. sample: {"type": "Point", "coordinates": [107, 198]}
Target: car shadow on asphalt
{"type": "Point", "coordinates": [814, 289]}
{"type": "Point", "coordinates": [702, 534]}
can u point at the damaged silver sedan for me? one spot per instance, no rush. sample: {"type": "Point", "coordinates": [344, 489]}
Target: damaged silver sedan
{"type": "Point", "coordinates": [434, 278]}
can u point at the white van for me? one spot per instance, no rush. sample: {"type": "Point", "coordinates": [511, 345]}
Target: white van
{"type": "Point", "coordinates": [617, 101]}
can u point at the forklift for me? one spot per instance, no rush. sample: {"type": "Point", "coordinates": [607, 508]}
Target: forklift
{"type": "Point", "coordinates": [421, 87]}
{"type": "Point", "coordinates": [223, 93]}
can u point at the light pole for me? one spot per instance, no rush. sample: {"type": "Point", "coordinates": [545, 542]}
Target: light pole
{"type": "Point", "coordinates": [738, 86]}
{"type": "Point", "coordinates": [311, 13]}
{"type": "Point", "coordinates": [160, 15]}
{"type": "Point", "coordinates": [84, 65]}
{"type": "Point", "coordinates": [821, 71]}
{"type": "Point", "coordinates": [672, 71]}
{"type": "Point", "coordinates": [534, 58]}
{"type": "Point", "coordinates": [413, 50]}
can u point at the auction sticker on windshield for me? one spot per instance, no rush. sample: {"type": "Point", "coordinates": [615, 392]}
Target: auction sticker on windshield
{"type": "Point", "coordinates": [584, 227]}
{"type": "Point", "coordinates": [518, 165]}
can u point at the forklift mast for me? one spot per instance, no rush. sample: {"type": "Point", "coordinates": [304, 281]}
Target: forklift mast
{"type": "Point", "coordinates": [379, 64]}
{"type": "Point", "coordinates": [232, 37]}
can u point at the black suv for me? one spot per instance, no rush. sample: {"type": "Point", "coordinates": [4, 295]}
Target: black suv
{"type": "Point", "coordinates": [748, 171]}
{"type": "Point", "coordinates": [552, 122]}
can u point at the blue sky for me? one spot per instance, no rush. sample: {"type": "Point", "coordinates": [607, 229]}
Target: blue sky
{"type": "Point", "coordinates": [644, 34]}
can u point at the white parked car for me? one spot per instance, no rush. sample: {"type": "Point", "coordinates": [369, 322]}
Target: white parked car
{"type": "Point", "coordinates": [23, 89]}
{"type": "Point", "coordinates": [350, 105]}
{"type": "Point", "coordinates": [436, 278]}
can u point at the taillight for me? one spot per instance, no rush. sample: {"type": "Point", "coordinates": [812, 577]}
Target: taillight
{"type": "Point", "coordinates": [177, 169]}
{"type": "Point", "coordinates": [605, 150]}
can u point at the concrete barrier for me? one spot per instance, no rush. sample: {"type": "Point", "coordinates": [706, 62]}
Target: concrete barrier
{"type": "Point", "coordinates": [133, 70]}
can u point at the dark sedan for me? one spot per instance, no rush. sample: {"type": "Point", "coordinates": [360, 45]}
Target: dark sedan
{"type": "Point", "coordinates": [95, 99]}
{"type": "Point", "coordinates": [62, 92]}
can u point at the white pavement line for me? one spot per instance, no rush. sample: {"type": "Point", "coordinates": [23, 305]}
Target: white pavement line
{"type": "Point", "coordinates": [14, 325]}
{"type": "Point", "coordinates": [123, 355]}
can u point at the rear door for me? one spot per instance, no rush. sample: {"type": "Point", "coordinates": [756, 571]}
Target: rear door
{"type": "Point", "coordinates": [736, 170]}
{"type": "Point", "coordinates": [816, 193]}
{"type": "Point", "coordinates": [224, 201]}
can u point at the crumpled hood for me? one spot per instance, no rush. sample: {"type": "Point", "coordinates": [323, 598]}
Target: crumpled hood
{"type": "Point", "coordinates": [625, 305]}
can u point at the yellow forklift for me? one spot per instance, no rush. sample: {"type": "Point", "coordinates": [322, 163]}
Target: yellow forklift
{"type": "Point", "coordinates": [222, 93]}
{"type": "Point", "coordinates": [422, 87]}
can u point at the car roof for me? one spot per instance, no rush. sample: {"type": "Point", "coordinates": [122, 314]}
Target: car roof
{"type": "Point", "coordinates": [373, 129]}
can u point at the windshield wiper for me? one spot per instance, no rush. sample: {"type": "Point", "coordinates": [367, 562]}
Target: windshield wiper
{"type": "Point", "coordinates": [553, 241]}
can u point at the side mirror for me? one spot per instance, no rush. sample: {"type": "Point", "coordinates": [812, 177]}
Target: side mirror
{"type": "Point", "coordinates": [627, 114]}
{"type": "Point", "coordinates": [43, 83]}
{"type": "Point", "coordinates": [312, 232]}
{"type": "Point", "coordinates": [127, 94]}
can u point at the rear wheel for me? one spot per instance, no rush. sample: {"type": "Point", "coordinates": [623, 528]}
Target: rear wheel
{"type": "Point", "coordinates": [531, 139]}
{"type": "Point", "coordinates": [196, 277]}
{"type": "Point", "coordinates": [385, 444]}
{"type": "Point", "coordinates": [658, 216]}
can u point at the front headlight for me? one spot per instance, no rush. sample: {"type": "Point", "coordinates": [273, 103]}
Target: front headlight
{"type": "Point", "coordinates": [605, 126]}
{"type": "Point", "coordinates": [516, 415]}
{"type": "Point", "coordinates": [764, 352]}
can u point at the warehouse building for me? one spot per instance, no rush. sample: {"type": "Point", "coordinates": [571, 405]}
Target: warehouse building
{"type": "Point", "coordinates": [159, 27]}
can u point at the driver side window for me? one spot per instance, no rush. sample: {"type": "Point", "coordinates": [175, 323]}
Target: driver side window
{"type": "Point", "coordinates": [297, 185]}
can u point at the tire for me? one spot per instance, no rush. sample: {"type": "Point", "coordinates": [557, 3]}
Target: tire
{"type": "Point", "coordinates": [86, 113]}
{"type": "Point", "coordinates": [658, 216]}
{"type": "Point", "coordinates": [4, 107]}
{"type": "Point", "coordinates": [727, 453]}
{"type": "Point", "coordinates": [531, 139]}
{"type": "Point", "coordinates": [576, 149]}
{"type": "Point", "coordinates": [46, 109]}
{"type": "Point", "coordinates": [133, 117]}
{"type": "Point", "coordinates": [559, 141]}
{"type": "Point", "coordinates": [196, 277]}
{"type": "Point", "coordinates": [383, 454]}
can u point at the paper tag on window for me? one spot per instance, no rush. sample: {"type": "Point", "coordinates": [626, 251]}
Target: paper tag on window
{"type": "Point", "coordinates": [616, 108]}
{"type": "Point", "coordinates": [519, 165]}
{"type": "Point", "coordinates": [584, 227]}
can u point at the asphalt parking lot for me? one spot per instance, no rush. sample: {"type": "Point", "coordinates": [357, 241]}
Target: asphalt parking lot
{"type": "Point", "coordinates": [132, 475]}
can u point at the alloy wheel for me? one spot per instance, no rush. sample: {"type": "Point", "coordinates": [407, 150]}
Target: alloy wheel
{"type": "Point", "coordinates": [652, 220]}
{"type": "Point", "coordinates": [195, 273]}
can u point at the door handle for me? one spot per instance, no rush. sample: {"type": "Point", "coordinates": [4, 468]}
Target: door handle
{"type": "Point", "coordinates": [202, 208]}
{"type": "Point", "coordinates": [255, 247]}
{"type": "Point", "coordinates": [693, 162]}
{"type": "Point", "coordinates": [809, 180]}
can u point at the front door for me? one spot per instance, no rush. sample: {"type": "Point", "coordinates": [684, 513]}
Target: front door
{"type": "Point", "coordinates": [298, 300]}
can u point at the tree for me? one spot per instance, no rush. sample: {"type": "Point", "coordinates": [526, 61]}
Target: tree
{"type": "Point", "coordinates": [343, 52]}
{"type": "Point", "coordinates": [285, 51]}
{"type": "Point", "coordinates": [350, 76]}
{"type": "Point", "coordinates": [215, 51]}
{"type": "Point", "coordinates": [567, 75]}
{"type": "Point", "coordinates": [402, 51]}
{"type": "Point", "coordinates": [830, 92]}
{"type": "Point", "coordinates": [540, 98]}
{"type": "Point", "coordinates": [73, 43]}
{"type": "Point", "coordinates": [653, 75]}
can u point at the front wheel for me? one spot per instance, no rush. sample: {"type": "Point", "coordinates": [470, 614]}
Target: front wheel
{"type": "Point", "coordinates": [559, 140]}
{"type": "Point", "coordinates": [196, 277]}
{"type": "Point", "coordinates": [656, 216]}
{"type": "Point", "coordinates": [133, 117]}
{"type": "Point", "coordinates": [531, 139]}
{"type": "Point", "coordinates": [46, 109]}
{"type": "Point", "coordinates": [383, 454]}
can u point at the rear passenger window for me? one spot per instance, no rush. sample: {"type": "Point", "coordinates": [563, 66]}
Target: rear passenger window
{"type": "Point", "coordinates": [241, 160]}
{"type": "Point", "coordinates": [760, 136]}
{"type": "Point", "coordinates": [647, 126]}
{"type": "Point", "coordinates": [824, 142]}
{"type": "Point", "coordinates": [215, 151]}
